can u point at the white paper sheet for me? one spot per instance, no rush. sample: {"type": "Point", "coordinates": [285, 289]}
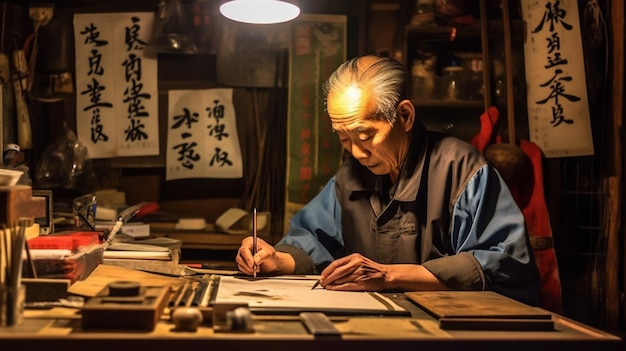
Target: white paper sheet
{"type": "Point", "coordinates": [295, 294]}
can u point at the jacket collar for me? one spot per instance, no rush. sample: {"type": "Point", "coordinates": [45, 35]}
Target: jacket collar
{"type": "Point", "coordinates": [410, 177]}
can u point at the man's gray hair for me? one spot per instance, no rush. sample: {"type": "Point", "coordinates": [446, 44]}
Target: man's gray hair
{"type": "Point", "coordinates": [387, 80]}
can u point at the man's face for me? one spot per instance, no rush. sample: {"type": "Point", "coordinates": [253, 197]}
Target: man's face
{"type": "Point", "coordinates": [374, 142]}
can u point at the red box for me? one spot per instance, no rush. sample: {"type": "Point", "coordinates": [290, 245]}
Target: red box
{"type": "Point", "coordinates": [67, 241]}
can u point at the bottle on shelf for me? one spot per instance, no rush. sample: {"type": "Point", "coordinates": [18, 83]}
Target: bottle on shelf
{"type": "Point", "coordinates": [423, 79]}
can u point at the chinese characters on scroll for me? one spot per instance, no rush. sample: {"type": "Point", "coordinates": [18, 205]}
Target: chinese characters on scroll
{"type": "Point", "coordinates": [558, 109]}
{"type": "Point", "coordinates": [116, 85]}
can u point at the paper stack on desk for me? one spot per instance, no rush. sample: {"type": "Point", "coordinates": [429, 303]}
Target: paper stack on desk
{"type": "Point", "coordinates": [138, 251]}
{"type": "Point", "coordinates": [159, 255]}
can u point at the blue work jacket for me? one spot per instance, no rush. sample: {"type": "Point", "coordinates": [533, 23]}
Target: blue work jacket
{"type": "Point", "coordinates": [450, 211]}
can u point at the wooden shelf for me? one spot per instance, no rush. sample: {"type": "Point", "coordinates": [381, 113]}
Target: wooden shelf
{"type": "Point", "coordinates": [449, 33]}
{"type": "Point", "coordinates": [441, 33]}
{"type": "Point", "coordinates": [477, 104]}
{"type": "Point", "coordinates": [447, 43]}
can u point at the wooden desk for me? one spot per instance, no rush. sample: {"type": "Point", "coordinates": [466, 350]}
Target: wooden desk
{"type": "Point", "coordinates": [276, 333]}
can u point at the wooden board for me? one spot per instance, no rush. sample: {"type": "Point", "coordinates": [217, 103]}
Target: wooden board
{"type": "Point", "coordinates": [481, 310]}
{"type": "Point", "coordinates": [496, 324]}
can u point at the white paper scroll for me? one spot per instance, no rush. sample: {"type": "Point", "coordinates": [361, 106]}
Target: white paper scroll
{"type": "Point", "coordinates": [202, 140]}
{"type": "Point", "coordinates": [558, 109]}
{"type": "Point", "coordinates": [116, 85]}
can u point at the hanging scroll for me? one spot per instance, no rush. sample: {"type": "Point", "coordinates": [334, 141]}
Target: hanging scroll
{"type": "Point", "coordinates": [558, 108]}
{"type": "Point", "coordinates": [318, 47]}
{"type": "Point", "coordinates": [116, 95]}
{"type": "Point", "coordinates": [202, 138]}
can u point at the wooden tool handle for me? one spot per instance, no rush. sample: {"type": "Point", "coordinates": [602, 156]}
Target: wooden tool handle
{"type": "Point", "coordinates": [20, 82]}
{"type": "Point", "coordinates": [24, 133]}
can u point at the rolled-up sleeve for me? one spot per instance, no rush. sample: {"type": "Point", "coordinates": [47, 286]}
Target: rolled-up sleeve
{"type": "Point", "coordinates": [314, 238]}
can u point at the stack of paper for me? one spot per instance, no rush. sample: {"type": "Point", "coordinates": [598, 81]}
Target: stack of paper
{"type": "Point", "coordinates": [138, 251]}
{"type": "Point", "coordinates": [158, 255]}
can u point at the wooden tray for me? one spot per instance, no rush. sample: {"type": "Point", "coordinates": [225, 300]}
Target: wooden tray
{"type": "Point", "coordinates": [481, 310]}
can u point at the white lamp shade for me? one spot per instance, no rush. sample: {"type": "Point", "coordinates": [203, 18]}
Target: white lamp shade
{"type": "Point", "coordinates": [259, 11]}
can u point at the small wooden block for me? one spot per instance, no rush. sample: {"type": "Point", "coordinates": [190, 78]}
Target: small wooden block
{"type": "Point", "coordinates": [318, 324]}
{"type": "Point", "coordinates": [17, 201]}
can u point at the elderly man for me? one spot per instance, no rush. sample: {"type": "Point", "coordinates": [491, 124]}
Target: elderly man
{"type": "Point", "coordinates": [410, 210]}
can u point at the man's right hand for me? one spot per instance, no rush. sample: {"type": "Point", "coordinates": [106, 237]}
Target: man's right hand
{"type": "Point", "coordinates": [266, 259]}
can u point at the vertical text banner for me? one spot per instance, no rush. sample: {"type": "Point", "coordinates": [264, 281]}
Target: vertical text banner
{"type": "Point", "coordinates": [202, 139]}
{"type": "Point", "coordinates": [317, 48]}
{"type": "Point", "coordinates": [116, 85]}
{"type": "Point", "coordinates": [558, 109]}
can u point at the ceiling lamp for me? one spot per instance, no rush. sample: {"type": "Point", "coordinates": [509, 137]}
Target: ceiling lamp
{"type": "Point", "coordinates": [259, 11]}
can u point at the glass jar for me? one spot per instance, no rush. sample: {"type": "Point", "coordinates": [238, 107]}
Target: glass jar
{"type": "Point", "coordinates": [454, 83]}
{"type": "Point", "coordinates": [422, 80]}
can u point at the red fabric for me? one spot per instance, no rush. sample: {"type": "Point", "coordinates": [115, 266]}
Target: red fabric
{"type": "Point", "coordinates": [485, 137]}
{"type": "Point", "coordinates": [529, 196]}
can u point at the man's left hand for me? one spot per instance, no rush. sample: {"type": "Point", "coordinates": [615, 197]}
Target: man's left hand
{"type": "Point", "coordinates": [356, 273]}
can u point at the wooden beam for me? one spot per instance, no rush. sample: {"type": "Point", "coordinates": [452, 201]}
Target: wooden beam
{"type": "Point", "coordinates": [614, 203]}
